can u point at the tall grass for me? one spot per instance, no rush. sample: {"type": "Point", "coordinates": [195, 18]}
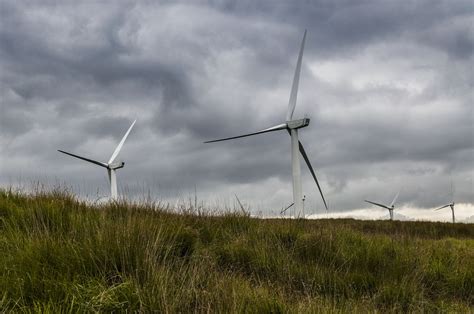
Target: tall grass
{"type": "Point", "coordinates": [64, 255]}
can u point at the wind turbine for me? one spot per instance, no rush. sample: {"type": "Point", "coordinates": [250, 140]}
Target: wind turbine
{"type": "Point", "coordinates": [390, 208]}
{"type": "Point", "coordinates": [112, 166]}
{"type": "Point", "coordinates": [451, 204]}
{"type": "Point", "coordinates": [292, 127]}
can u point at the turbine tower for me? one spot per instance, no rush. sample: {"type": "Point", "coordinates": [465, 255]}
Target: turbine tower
{"type": "Point", "coordinates": [390, 207]}
{"type": "Point", "coordinates": [292, 127]}
{"type": "Point", "coordinates": [112, 166]}
{"type": "Point", "coordinates": [451, 204]}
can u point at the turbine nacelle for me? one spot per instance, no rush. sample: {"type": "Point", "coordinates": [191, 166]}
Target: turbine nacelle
{"type": "Point", "coordinates": [298, 124]}
{"type": "Point", "coordinates": [116, 165]}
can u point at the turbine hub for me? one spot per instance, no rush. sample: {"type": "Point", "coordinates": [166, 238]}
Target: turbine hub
{"type": "Point", "coordinates": [297, 124]}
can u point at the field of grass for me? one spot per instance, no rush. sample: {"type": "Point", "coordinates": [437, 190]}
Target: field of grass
{"type": "Point", "coordinates": [63, 255]}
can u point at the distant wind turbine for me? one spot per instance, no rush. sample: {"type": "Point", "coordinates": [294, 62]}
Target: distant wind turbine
{"type": "Point", "coordinates": [390, 207]}
{"type": "Point", "coordinates": [451, 204]}
{"type": "Point", "coordinates": [292, 127]}
{"type": "Point", "coordinates": [111, 165]}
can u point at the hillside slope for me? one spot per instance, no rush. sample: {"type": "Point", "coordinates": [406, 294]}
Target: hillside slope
{"type": "Point", "coordinates": [59, 254]}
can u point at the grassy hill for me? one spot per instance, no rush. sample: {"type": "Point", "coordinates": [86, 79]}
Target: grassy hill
{"type": "Point", "coordinates": [59, 255]}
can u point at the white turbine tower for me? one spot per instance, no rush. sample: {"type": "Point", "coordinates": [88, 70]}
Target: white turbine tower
{"type": "Point", "coordinates": [450, 204]}
{"type": "Point", "coordinates": [111, 165]}
{"type": "Point", "coordinates": [390, 207]}
{"type": "Point", "coordinates": [292, 127]}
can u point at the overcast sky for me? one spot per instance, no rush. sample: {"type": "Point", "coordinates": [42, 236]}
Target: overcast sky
{"type": "Point", "coordinates": [388, 86]}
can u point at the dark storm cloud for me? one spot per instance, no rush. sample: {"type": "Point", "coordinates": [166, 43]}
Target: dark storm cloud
{"type": "Point", "coordinates": [388, 87]}
{"type": "Point", "coordinates": [106, 126]}
{"type": "Point", "coordinates": [341, 26]}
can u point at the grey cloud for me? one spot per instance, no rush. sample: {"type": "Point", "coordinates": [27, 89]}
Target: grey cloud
{"type": "Point", "coordinates": [341, 27]}
{"type": "Point", "coordinates": [190, 73]}
{"type": "Point", "coordinates": [14, 123]}
{"type": "Point", "coordinates": [104, 126]}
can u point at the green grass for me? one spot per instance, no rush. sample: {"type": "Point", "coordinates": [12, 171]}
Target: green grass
{"type": "Point", "coordinates": [62, 255]}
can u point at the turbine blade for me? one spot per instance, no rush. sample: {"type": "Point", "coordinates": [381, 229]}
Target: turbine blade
{"type": "Point", "coordinates": [296, 80]}
{"type": "Point", "coordinates": [443, 207]}
{"type": "Point", "coordinates": [240, 204]}
{"type": "Point", "coordinates": [377, 204]}
{"type": "Point", "coordinates": [452, 191]}
{"type": "Point", "coordinates": [271, 129]}
{"type": "Point", "coordinates": [102, 164]}
{"type": "Point", "coordinates": [394, 199]}
{"type": "Point", "coordinates": [303, 152]}
{"type": "Point", "coordinates": [119, 146]}
{"type": "Point", "coordinates": [284, 210]}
